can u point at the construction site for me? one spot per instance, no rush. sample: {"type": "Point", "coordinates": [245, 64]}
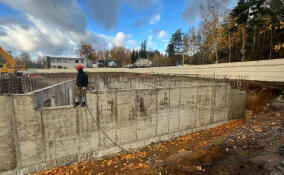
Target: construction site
{"type": "Point", "coordinates": [132, 87]}
{"type": "Point", "coordinates": [144, 121]}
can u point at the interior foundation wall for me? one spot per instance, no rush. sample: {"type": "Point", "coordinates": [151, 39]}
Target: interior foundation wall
{"type": "Point", "coordinates": [109, 81]}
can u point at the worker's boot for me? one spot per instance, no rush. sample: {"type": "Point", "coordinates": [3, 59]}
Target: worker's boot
{"type": "Point", "coordinates": [83, 104]}
{"type": "Point", "coordinates": [76, 104]}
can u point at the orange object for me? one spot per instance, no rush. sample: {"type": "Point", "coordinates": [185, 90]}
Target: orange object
{"type": "Point", "coordinates": [79, 67]}
{"type": "Point", "coordinates": [13, 67]}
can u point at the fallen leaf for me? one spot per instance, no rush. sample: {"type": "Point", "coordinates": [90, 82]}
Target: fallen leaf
{"type": "Point", "coordinates": [258, 130]}
{"type": "Point", "coordinates": [181, 150]}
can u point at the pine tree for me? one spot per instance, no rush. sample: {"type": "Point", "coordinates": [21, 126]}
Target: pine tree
{"type": "Point", "coordinates": [245, 11]}
{"type": "Point", "coordinates": [136, 55]}
{"type": "Point", "coordinates": [170, 50]}
{"type": "Point", "coordinates": [133, 58]}
{"type": "Point", "coordinates": [143, 50]}
{"type": "Point", "coordinates": [175, 47]}
{"type": "Point", "coordinates": [177, 41]}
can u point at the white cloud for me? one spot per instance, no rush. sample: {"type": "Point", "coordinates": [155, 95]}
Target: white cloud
{"type": "Point", "coordinates": [64, 13]}
{"type": "Point", "coordinates": [38, 37]}
{"type": "Point", "coordinates": [34, 38]}
{"type": "Point", "coordinates": [151, 44]}
{"type": "Point", "coordinates": [122, 39]}
{"type": "Point", "coordinates": [155, 18]}
{"type": "Point", "coordinates": [52, 28]}
{"type": "Point", "coordinates": [119, 39]}
{"type": "Point", "coordinates": [162, 34]}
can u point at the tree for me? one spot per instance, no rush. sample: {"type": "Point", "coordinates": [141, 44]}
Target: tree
{"type": "Point", "coordinates": [246, 10]}
{"type": "Point", "coordinates": [120, 55]}
{"type": "Point", "coordinates": [170, 50]}
{"type": "Point", "coordinates": [175, 46]}
{"type": "Point", "coordinates": [136, 55]}
{"type": "Point", "coordinates": [185, 45]}
{"type": "Point", "coordinates": [177, 41]}
{"type": "Point", "coordinates": [86, 50]}
{"type": "Point", "coordinates": [41, 62]}
{"type": "Point", "coordinates": [25, 59]}
{"type": "Point", "coordinates": [253, 30]}
{"type": "Point", "coordinates": [133, 56]}
{"type": "Point", "coordinates": [156, 59]}
{"type": "Point", "coordinates": [143, 50]}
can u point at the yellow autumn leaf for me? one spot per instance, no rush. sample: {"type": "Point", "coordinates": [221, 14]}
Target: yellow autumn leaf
{"type": "Point", "coordinates": [109, 162]}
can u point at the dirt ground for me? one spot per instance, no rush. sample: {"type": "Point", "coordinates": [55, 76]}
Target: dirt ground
{"type": "Point", "coordinates": [252, 145]}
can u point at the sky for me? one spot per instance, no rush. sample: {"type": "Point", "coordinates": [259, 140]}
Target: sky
{"type": "Point", "coordinates": [56, 27]}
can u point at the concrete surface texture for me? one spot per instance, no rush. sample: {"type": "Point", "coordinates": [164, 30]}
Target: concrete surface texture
{"type": "Point", "coordinates": [119, 80]}
{"type": "Point", "coordinates": [46, 137]}
{"type": "Point", "coordinates": [264, 70]}
{"type": "Point", "coordinates": [60, 94]}
{"type": "Point", "coordinates": [7, 144]}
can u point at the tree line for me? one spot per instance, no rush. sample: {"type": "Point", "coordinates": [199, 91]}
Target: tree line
{"type": "Point", "coordinates": [26, 60]}
{"type": "Point", "coordinates": [123, 56]}
{"type": "Point", "coordinates": [253, 30]}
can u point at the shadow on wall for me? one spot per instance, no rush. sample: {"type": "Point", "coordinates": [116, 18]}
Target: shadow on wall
{"type": "Point", "coordinates": [61, 94]}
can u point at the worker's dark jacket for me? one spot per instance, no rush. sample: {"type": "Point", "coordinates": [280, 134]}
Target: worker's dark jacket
{"type": "Point", "coordinates": [82, 79]}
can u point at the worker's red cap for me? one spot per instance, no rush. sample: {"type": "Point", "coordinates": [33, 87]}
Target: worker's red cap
{"type": "Point", "coordinates": [79, 67]}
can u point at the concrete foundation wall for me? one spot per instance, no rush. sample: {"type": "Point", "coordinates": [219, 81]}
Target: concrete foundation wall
{"type": "Point", "coordinates": [7, 144]}
{"type": "Point", "coordinates": [111, 81]}
{"type": "Point", "coordinates": [57, 136]}
{"type": "Point", "coordinates": [56, 95]}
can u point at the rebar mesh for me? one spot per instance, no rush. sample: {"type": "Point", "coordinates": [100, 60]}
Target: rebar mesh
{"type": "Point", "coordinates": [18, 85]}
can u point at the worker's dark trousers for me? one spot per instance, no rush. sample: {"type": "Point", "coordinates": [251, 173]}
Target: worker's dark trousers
{"type": "Point", "coordinates": [80, 94]}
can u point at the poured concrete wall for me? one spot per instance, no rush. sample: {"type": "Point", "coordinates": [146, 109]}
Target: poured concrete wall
{"type": "Point", "coordinates": [57, 136]}
{"type": "Point", "coordinates": [7, 145]}
{"type": "Point", "coordinates": [56, 95]}
{"type": "Point", "coordinates": [110, 81]}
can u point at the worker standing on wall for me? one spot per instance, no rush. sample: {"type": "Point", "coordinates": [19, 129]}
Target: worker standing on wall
{"type": "Point", "coordinates": [81, 86]}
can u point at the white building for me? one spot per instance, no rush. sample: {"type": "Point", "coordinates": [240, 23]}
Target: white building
{"type": "Point", "coordinates": [142, 62]}
{"type": "Point", "coordinates": [63, 62]}
{"type": "Point", "coordinates": [111, 64]}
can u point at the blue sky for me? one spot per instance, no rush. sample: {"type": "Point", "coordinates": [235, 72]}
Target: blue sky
{"type": "Point", "coordinates": [53, 27]}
